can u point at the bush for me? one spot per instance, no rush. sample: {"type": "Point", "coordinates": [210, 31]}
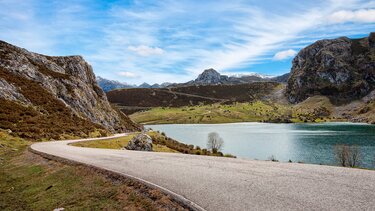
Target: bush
{"type": "Point", "coordinates": [229, 156]}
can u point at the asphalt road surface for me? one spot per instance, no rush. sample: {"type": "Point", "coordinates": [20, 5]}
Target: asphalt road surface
{"type": "Point", "coordinates": [216, 183]}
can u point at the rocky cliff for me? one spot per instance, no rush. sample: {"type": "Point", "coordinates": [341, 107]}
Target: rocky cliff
{"type": "Point", "coordinates": [59, 88]}
{"type": "Point", "coordinates": [342, 69]}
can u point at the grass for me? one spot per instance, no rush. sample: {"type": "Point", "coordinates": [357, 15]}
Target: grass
{"type": "Point", "coordinates": [216, 113]}
{"type": "Point", "coordinates": [315, 109]}
{"type": "Point", "coordinates": [29, 182]}
{"type": "Point", "coordinates": [46, 118]}
{"type": "Point", "coordinates": [160, 143]}
{"type": "Point", "coordinates": [118, 143]}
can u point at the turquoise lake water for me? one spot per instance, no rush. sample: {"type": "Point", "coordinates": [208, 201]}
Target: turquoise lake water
{"type": "Point", "coordinates": [308, 143]}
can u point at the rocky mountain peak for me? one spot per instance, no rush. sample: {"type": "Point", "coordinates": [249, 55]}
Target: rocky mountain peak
{"type": "Point", "coordinates": [210, 76]}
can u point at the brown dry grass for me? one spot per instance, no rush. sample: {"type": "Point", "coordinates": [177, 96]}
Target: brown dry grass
{"type": "Point", "coordinates": [30, 182]}
{"type": "Point", "coordinates": [48, 118]}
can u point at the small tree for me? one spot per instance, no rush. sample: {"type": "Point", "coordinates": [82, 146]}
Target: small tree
{"type": "Point", "coordinates": [342, 154]}
{"type": "Point", "coordinates": [354, 156]}
{"type": "Point", "coordinates": [348, 155]}
{"type": "Point", "coordinates": [214, 142]}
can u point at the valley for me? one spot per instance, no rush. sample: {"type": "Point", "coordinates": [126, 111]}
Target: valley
{"type": "Point", "coordinates": [71, 139]}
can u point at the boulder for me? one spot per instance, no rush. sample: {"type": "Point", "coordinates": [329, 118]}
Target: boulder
{"type": "Point", "coordinates": [140, 142]}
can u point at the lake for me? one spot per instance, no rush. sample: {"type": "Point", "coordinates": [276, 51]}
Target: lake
{"type": "Point", "coordinates": [308, 143]}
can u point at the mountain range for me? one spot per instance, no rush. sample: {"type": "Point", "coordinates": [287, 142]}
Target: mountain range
{"type": "Point", "coordinates": [207, 77]}
{"type": "Point", "coordinates": [331, 78]}
{"type": "Point", "coordinates": [108, 85]}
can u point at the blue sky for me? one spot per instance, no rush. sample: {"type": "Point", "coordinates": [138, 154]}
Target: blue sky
{"type": "Point", "coordinates": [158, 41]}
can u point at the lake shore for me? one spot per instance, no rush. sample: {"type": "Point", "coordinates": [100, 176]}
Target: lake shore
{"type": "Point", "coordinates": [297, 142]}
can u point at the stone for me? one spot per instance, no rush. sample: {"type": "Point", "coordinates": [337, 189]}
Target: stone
{"type": "Point", "coordinates": [140, 142]}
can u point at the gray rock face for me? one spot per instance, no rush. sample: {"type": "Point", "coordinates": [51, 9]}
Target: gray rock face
{"type": "Point", "coordinates": [70, 79]}
{"type": "Point", "coordinates": [10, 92]}
{"type": "Point", "coordinates": [140, 142]}
{"type": "Point", "coordinates": [210, 76]}
{"type": "Point", "coordinates": [341, 68]}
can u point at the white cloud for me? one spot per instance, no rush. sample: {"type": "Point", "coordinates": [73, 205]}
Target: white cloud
{"type": "Point", "coordinates": [281, 55]}
{"type": "Point", "coordinates": [363, 15]}
{"type": "Point", "coordinates": [144, 50]}
{"type": "Point", "coordinates": [128, 74]}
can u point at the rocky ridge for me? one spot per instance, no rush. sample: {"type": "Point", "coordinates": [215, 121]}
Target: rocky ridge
{"type": "Point", "coordinates": [342, 68]}
{"type": "Point", "coordinates": [69, 80]}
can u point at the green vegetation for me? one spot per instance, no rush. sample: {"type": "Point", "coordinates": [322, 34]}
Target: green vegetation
{"type": "Point", "coordinates": [216, 113]}
{"type": "Point", "coordinates": [316, 109]}
{"type": "Point", "coordinates": [29, 182]}
{"type": "Point", "coordinates": [118, 143]}
{"type": "Point", "coordinates": [160, 142]}
{"type": "Point", "coordinates": [133, 100]}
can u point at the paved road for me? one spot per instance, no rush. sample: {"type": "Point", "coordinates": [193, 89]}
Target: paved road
{"type": "Point", "coordinates": [234, 184]}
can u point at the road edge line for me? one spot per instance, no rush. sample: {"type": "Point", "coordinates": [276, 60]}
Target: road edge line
{"type": "Point", "coordinates": [115, 174]}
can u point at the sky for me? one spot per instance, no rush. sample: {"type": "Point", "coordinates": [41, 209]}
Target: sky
{"type": "Point", "coordinates": [173, 41]}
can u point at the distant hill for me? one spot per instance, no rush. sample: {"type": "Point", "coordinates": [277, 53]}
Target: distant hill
{"type": "Point", "coordinates": [53, 97]}
{"type": "Point", "coordinates": [108, 85]}
{"type": "Point", "coordinates": [282, 78]}
{"type": "Point", "coordinates": [207, 77]}
{"type": "Point", "coordinates": [136, 99]}
{"type": "Point", "coordinates": [213, 77]}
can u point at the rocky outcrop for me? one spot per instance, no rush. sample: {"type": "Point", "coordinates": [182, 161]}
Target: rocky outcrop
{"type": "Point", "coordinates": [343, 69]}
{"type": "Point", "coordinates": [140, 142]}
{"type": "Point", "coordinates": [210, 76]}
{"type": "Point", "coordinates": [69, 80]}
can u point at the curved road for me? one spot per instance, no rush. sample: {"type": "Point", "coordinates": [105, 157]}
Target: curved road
{"type": "Point", "coordinates": [234, 184]}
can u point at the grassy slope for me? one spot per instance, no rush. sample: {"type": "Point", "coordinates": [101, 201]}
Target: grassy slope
{"type": "Point", "coordinates": [29, 182]}
{"type": "Point", "coordinates": [118, 143]}
{"type": "Point", "coordinates": [160, 143]}
{"type": "Point", "coordinates": [315, 109]}
{"type": "Point", "coordinates": [47, 118]}
{"type": "Point", "coordinates": [132, 100]}
{"type": "Point", "coordinates": [216, 113]}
